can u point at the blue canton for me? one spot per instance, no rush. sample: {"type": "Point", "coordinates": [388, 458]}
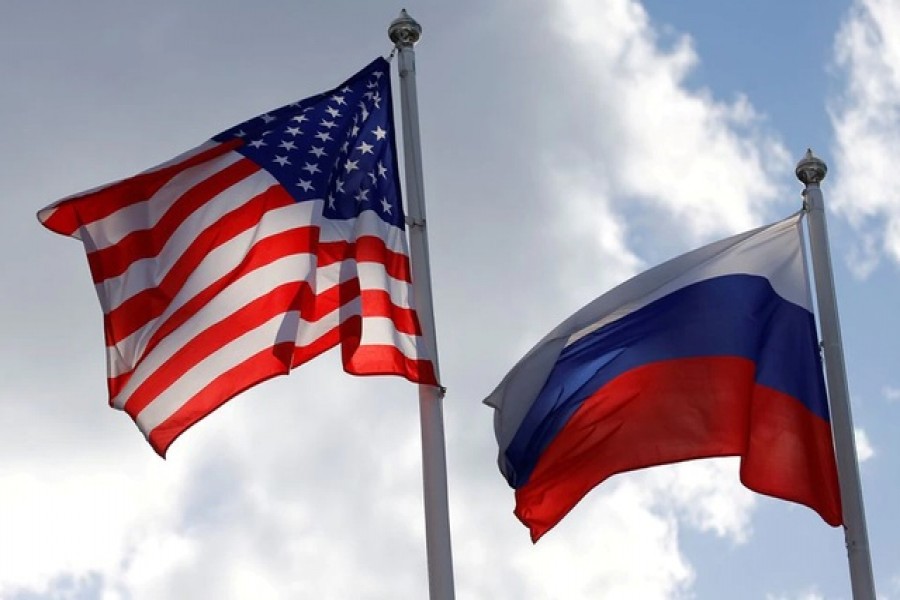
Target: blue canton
{"type": "Point", "coordinates": [337, 146]}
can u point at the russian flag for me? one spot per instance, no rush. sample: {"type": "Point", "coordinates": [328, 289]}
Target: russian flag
{"type": "Point", "coordinates": [713, 353]}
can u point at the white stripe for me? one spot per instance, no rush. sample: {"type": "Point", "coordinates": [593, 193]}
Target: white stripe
{"type": "Point", "coordinates": [380, 331]}
{"type": "Point", "coordinates": [47, 212]}
{"type": "Point", "coordinates": [221, 261]}
{"type": "Point", "coordinates": [375, 330]}
{"type": "Point", "coordinates": [243, 291]}
{"type": "Point", "coordinates": [145, 215]}
{"type": "Point", "coordinates": [772, 252]}
{"type": "Point", "coordinates": [274, 331]}
{"type": "Point", "coordinates": [212, 366]}
{"type": "Point", "coordinates": [148, 273]}
{"type": "Point", "coordinates": [367, 224]}
{"type": "Point", "coordinates": [123, 356]}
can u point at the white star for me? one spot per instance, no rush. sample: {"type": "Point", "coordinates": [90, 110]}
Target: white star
{"type": "Point", "coordinates": [354, 132]}
{"type": "Point", "coordinates": [299, 118]}
{"type": "Point", "coordinates": [346, 89]}
{"type": "Point", "coordinates": [257, 143]}
{"type": "Point", "coordinates": [330, 201]}
{"type": "Point", "coordinates": [319, 152]}
{"type": "Point", "coordinates": [376, 100]}
{"type": "Point", "coordinates": [379, 133]}
{"type": "Point", "coordinates": [312, 168]}
{"type": "Point", "coordinates": [378, 74]}
{"type": "Point", "coordinates": [362, 195]}
{"type": "Point", "coordinates": [281, 160]}
{"type": "Point", "coordinates": [382, 170]}
{"type": "Point", "coordinates": [365, 148]}
{"type": "Point", "coordinates": [240, 133]}
{"type": "Point", "coordinates": [373, 177]}
{"type": "Point", "coordinates": [293, 131]}
{"type": "Point", "coordinates": [328, 124]}
{"type": "Point", "coordinates": [287, 145]}
{"type": "Point", "coordinates": [324, 136]}
{"type": "Point", "coordinates": [335, 113]}
{"type": "Point", "coordinates": [386, 206]}
{"type": "Point", "coordinates": [267, 118]}
{"type": "Point", "coordinates": [364, 111]}
{"type": "Point", "coordinates": [351, 165]}
{"type": "Point", "coordinates": [306, 185]}
{"type": "Point", "coordinates": [339, 186]}
{"type": "Point", "coordinates": [344, 147]}
{"type": "Point", "coordinates": [339, 100]}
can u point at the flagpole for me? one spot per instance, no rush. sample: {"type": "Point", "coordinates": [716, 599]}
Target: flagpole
{"type": "Point", "coordinates": [811, 171]}
{"type": "Point", "coordinates": [404, 31]}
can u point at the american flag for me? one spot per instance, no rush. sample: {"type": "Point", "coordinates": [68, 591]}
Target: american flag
{"type": "Point", "coordinates": [276, 240]}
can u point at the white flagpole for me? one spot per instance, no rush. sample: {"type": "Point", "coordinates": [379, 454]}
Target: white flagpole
{"type": "Point", "coordinates": [404, 31]}
{"type": "Point", "coordinates": [811, 171]}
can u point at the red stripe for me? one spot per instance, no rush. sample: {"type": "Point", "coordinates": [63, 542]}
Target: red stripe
{"type": "Point", "coordinates": [378, 303]}
{"type": "Point", "coordinates": [371, 359]}
{"type": "Point", "coordinates": [790, 455]}
{"type": "Point", "coordinates": [256, 369]}
{"type": "Point", "coordinates": [114, 260]}
{"type": "Point", "coordinates": [366, 360]}
{"type": "Point", "coordinates": [270, 363]}
{"type": "Point", "coordinates": [369, 249]}
{"type": "Point", "coordinates": [293, 296]}
{"type": "Point", "coordinates": [149, 304]}
{"type": "Point", "coordinates": [69, 215]}
{"type": "Point", "coordinates": [282, 299]}
{"type": "Point", "coordinates": [679, 410]}
{"type": "Point", "coordinates": [388, 360]}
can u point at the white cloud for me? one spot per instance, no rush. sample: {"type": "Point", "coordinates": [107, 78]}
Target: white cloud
{"type": "Point", "coordinates": [76, 519]}
{"type": "Point", "coordinates": [866, 121]}
{"type": "Point", "coordinates": [864, 448]}
{"type": "Point", "coordinates": [682, 165]}
{"type": "Point", "coordinates": [617, 547]}
{"type": "Point", "coordinates": [707, 494]}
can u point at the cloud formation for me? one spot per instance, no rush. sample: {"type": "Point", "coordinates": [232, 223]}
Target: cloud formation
{"type": "Point", "coordinates": [865, 115]}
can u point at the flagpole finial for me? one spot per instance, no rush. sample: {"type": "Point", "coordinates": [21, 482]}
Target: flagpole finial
{"type": "Point", "coordinates": [404, 31]}
{"type": "Point", "coordinates": [811, 169]}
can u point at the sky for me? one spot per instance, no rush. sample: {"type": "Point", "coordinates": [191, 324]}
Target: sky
{"type": "Point", "coordinates": [567, 145]}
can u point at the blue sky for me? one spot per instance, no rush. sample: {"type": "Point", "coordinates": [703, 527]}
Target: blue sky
{"type": "Point", "coordinates": [567, 145]}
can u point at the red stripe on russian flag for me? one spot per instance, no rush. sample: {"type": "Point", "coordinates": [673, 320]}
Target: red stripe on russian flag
{"type": "Point", "coordinates": [678, 410]}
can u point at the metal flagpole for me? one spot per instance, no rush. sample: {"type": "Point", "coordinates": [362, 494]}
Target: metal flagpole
{"type": "Point", "coordinates": [811, 171]}
{"type": "Point", "coordinates": [404, 31]}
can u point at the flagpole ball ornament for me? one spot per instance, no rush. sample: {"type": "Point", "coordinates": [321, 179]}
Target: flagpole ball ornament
{"type": "Point", "coordinates": [811, 169]}
{"type": "Point", "coordinates": [404, 31]}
